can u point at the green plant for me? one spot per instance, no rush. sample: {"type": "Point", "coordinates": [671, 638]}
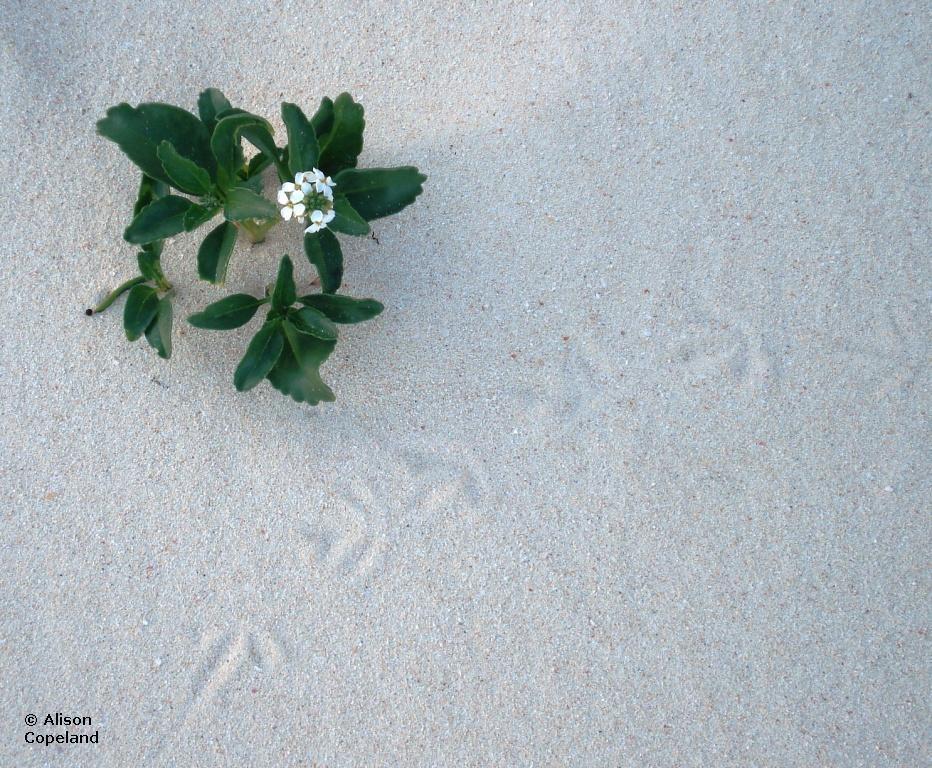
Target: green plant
{"type": "Point", "coordinates": [195, 168]}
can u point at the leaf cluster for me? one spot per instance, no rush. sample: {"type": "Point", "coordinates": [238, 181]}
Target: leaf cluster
{"type": "Point", "coordinates": [298, 334]}
{"type": "Point", "coordinates": [195, 168]}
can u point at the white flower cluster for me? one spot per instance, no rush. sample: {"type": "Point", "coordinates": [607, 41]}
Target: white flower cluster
{"type": "Point", "coordinates": [310, 197]}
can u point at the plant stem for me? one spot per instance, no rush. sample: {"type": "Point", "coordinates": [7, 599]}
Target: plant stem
{"type": "Point", "coordinates": [256, 229]}
{"type": "Point", "coordinates": [115, 294]}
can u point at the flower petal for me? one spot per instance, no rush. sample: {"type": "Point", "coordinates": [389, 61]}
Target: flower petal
{"type": "Point", "coordinates": [298, 177]}
{"type": "Point", "coordinates": [317, 216]}
{"type": "Point", "coordinates": [282, 197]}
{"type": "Point", "coordinates": [288, 187]}
{"type": "Point", "coordinates": [313, 228]}
{"type": "Point", "coordinates": [299, 209]}
{"type": "Point", "coordinates": [297, 196]}
{"type": "Point", "coordinates": [287, 213]}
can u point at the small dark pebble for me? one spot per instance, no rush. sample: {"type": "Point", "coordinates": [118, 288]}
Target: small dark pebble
{"type": "Point", "coordinates": [88, 312]}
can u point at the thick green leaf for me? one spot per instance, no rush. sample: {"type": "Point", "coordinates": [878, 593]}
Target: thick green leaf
{"type": "Point", "coordinates": [184, 174]}
{"type": "Point", "coordinates": [378, 192]}
{"type": "Point", "coordinates": [317, 324]}
{"type": "Point", "coordinates": [323, 251]}
{"type": "Point", "coordinates": [239, 156]}
{"type": "Point", "coordinates": [142, 303]}
{"type": "Point", "coordinates": [138, 131]}
{"type": "Point", "coordinates": [260, 136]}
{"type": "Point", "coordinates": [243, 203]}
{"type": "Point", "coordinates": [214, 254]}
{"type": "Point", "coordinates": [210, 104]}
{"type": "Point", "coordinates": [342, 309]}
{"type": "Point", "coordinates": [254, 183]}
{"type": "Point", "coordinates": [261, 355]}
{"type": "Point", "coordinates": [150, 267]}
{"type": "Point", "coordinates": [284, 294]}
{"type": "Point", "coordinates": [257, 163]}
{"type": "Point", "coordinates": [197, 215]}
{"type": "Point", "coordinates": [302, 141]}
{"type": "Point", "coordinates": [162, 218]}
{"type": "Point", "coordinates": [149, 190]}
{"type": "Point", "coordinates": [344, 141]}
{"type": "Point", "coordinates": [228, 313]}
{"type": "Point", "coordinates": [297, 372]}
{"type": "Point", "coordinates": [225, 142]}
{"type": "Point", "coordinates": [322, 121]}
{"type": "Point", "coordinates": [346, 220]}
{"type": "Point", "coordinates": [159, 332]}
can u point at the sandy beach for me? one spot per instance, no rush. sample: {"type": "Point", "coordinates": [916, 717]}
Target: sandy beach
{"type": "Point", "coordinates": [633, 470]}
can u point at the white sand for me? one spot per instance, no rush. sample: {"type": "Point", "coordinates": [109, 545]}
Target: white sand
{"type": "Point", "coordinates": [633, 470]}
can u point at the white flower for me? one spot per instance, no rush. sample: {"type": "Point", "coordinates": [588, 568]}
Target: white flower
{"type": "Point", "coordinates": [315, 181]}
{"type": "Point", "coordinates": [311, 192]}
{"type": "Point", "coordinates": [322, 183]}
{"type": "Point", "coordinates": [291, 200]}
{"type": "Point", "coordinates": [320, 220]}
{"type": "Point", "coordinates": [302, 183]}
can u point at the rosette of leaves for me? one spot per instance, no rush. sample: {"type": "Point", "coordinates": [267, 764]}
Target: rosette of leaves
{"type": "Point", "coordinates": [194, 168]}
{"type": "Point", "coordinates": [332, 141]}
{"type": "Point", "coordinates": [298, 334]}
{"type": "Point", "coordinates": [201, 157]}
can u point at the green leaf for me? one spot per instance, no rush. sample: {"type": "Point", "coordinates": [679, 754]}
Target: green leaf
{"type": "Point", "coordinates": [257, 163]}
{"type": "Point", "coordinates": [184, 174]}
{"type": "Point", "coordinates": [302, 141]}
{"type": "Point", "coordinates": [297, 372]}
{"type": "Point", "coordinates": [239, 156]}
{"type": "Point", "coordinates": [323, 251]}
{"type": "Point", "coordinates": [253, 183]}
{"type": "Point", "coordinates": [138, 131]}
{"type": "Point", "coordinates": [344, 142]}
{"type": "Point", "coordinates": [228, 313]}
{"type": "Point", "coordinates": [243, 203]}
{"type": "Point", "coordinates": [159, 332]}
{"type": "Point", "coordinates": [160, 219]}
{"type": "Point", "coordinates": [346, 220]}
{"type": "Point", "coordinates": [284, 293]}
{"type": "Point", "coordinates": [378, 192]}
{"type": "Point", "coordinates": [150, 267]}
{"type": "Point", "coordinates": [197, 215]}
{"type": "Point", "coordinates": [317, 324]}
{"type": "Point", "coordinates": [225, 143]}
{"type": "Point", "coordinates": [322, 121]}
{"type": "Point", "coordinates": [141, 305]}
{"type": "Point", "coordinates": [210, 104]}
{"type": "Point", "coordinates": [261, 355]}
{"type": "Point", "coordinates": [213, 256]}
{"type": "Point", "coordinates": [150, 190]}
{"type": "Point", "coordinates": [342, 309]}
{"type": "Point", "coordinates": [260, 136]}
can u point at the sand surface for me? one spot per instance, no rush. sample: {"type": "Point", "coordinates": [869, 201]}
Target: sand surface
{"type": "Point", "coordinates": [632, 471]}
